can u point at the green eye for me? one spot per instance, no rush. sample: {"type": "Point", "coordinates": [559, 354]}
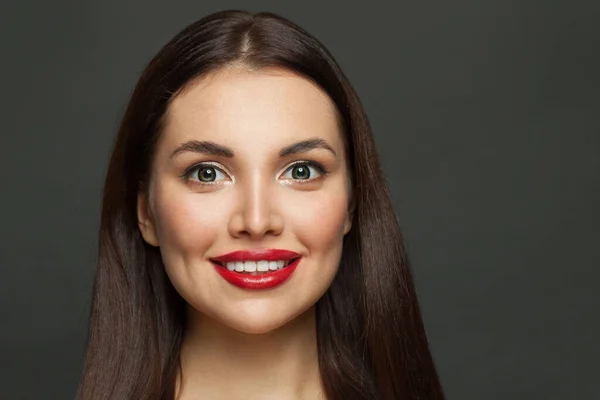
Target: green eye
{"type": "Point", "coordinates": [300, 172]}
{"type": "Point", "coordinates": [303, 171]}
{"type": "Point", "coordinates": [206, 174]}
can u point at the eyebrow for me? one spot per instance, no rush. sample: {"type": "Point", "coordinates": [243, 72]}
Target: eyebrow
{"type": "Point", "coordinates": [305, 146]}
{"type": "Point", "coordinates": [215, 149]}
{"type": "Point", "coordinates": [203, 147]}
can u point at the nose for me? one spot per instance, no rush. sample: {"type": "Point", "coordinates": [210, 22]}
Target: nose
{"type": "Point", "coordinates": [256, 215]}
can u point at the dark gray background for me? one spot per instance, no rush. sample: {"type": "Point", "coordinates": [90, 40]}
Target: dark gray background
{"type": "Point", "coordinates": [486, 115]}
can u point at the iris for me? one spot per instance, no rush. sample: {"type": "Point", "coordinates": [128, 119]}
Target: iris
{"type": "Point", "coordinates": [207, 174]}
{"type": "Point", "coordinates": [300, 172]}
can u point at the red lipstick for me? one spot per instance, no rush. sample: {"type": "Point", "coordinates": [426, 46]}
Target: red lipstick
{"type": "Point", "coordinates": [264, 280]}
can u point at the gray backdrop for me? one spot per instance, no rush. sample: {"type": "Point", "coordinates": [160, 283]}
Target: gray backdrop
{"type": "Point", "coordinates": [486, 115]}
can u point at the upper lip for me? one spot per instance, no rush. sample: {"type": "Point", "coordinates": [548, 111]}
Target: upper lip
{"type": "Point", "coordinates": [257, 255]}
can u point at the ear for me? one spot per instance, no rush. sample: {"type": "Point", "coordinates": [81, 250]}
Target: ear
{"type": "Point", "coordinates": [145, 221]}
{"type": "Point", "coordinates": [349, 216]}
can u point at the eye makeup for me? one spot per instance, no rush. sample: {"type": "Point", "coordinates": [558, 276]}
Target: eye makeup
{"type": "Point", "coordinates": [211, 172]}
{"type": "Point", "coordinates": [216, 168]}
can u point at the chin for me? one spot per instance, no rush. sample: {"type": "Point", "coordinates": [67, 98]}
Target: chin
{"type": "Point", "coordinates": [257, 327]}
{"type": "Point", "coordinates": [259, 320]}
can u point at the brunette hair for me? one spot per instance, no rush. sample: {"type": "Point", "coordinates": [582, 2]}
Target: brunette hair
{"type": "Point", "coordinates": [370, 335]}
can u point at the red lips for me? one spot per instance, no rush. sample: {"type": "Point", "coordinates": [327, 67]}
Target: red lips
{"type": "Point", "coordinates": [264, 280]}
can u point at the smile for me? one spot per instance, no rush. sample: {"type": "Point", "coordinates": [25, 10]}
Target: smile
{"type": "Point", "coordinates": [257, 269]}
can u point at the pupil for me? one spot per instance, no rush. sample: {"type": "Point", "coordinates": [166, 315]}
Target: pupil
{"type": "Point", "coordinates": [207, 174]}
{"type": "Point", "coordinates": [300, 172]}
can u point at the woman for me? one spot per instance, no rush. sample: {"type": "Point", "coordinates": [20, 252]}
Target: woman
{"type": "Point", "coordinates": [248, 247]}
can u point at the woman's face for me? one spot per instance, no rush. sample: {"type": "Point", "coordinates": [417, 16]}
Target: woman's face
{"type": "Point", "coordinates": [249, 161]}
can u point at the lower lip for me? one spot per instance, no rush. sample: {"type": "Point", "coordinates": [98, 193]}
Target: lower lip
{"type": "Point", "coordinates": [266, 280]}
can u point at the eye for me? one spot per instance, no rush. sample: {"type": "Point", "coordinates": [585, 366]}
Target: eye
{"type": "Point", "coordinates": [205, 174]}
{"type": "Point", "coordinates": [304, 171]}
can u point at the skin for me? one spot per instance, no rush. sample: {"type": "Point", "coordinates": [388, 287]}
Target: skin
{"type": "Point", "coordinates": [264, 341]}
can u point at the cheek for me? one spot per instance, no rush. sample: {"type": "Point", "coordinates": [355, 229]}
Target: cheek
{"type": "Point", "coordinates": [318, 221]}
{"type": "Point", "coordinates": [187, 223]}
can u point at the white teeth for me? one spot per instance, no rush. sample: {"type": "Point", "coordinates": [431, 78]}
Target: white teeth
{"type": "Point", "coordinates": [262, 266]}
{"type": "Point", "coordinates": [255, 266]}
{"type": "Point", "coordinates": [250, 266]}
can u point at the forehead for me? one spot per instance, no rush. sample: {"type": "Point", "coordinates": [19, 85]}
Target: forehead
{"type": "Point", "coordinates": [251, 109]}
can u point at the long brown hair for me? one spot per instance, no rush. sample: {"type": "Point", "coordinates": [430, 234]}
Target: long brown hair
{"type": "Point", "coordinates": [370, 335]}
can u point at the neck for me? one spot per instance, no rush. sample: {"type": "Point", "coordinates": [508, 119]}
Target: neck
{"type": "Point", "coordinates": [222, 363]}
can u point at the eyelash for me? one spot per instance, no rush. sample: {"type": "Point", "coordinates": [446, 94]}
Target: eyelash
{"type": "Point", "coordinates": [187, 175]}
